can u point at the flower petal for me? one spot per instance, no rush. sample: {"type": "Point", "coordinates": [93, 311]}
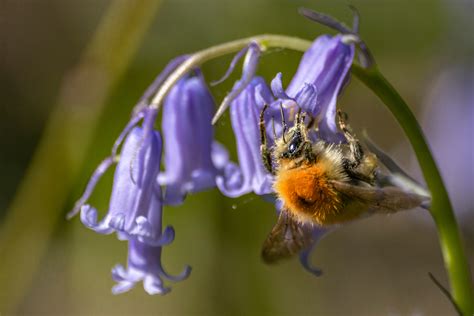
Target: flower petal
{"type": "Point", "coordinates": [318, 233]}
{"type": "Point", "coordinates": [251, 174]}
{"type": "Point", "coordinates": [326, 65]}
{"type": "Point", "coordinates": [307, 98]}
{"type": "Point", "coordinates": [277, 88]}
{"type": "Point", "coordinates": [188, 133]}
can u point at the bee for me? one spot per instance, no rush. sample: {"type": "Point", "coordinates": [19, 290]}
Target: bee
{"type": "Point", "coordinates": [321, 183]}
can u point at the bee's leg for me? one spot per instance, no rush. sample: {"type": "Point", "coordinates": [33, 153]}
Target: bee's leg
{"type": "Point", "coordinates": [357, 153]}
{"type": "Point", "coordinates": [264, 150]}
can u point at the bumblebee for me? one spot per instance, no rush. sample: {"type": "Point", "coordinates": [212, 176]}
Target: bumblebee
{"type": "Point", "coordinates": [321, 183]}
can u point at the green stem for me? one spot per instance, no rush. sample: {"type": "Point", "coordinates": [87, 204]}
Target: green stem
{"type": "Point", "coordinates": [198, 58]}
{"type": "Point", "coordinates": [441, 209]}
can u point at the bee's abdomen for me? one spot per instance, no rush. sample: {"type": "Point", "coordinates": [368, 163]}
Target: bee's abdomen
{"type": "Point", "coordinates": [308, 195]}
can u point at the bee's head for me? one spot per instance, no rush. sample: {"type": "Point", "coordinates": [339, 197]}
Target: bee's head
{"type": "Point", "coordinates": [294, 142]}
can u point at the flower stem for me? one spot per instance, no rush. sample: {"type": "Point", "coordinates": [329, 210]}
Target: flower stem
{"type": "Point", "coordinates": [441, 209]}
{"type": "Point", "coordinates": [198, 58]}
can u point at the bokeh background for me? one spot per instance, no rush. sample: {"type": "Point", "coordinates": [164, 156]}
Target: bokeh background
{"type": "Point", "coordinates": [65, 96]}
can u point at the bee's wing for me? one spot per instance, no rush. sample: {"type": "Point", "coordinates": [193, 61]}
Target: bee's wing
{"type": "Point", "coordinates": [286, 239]}
{"type": "Point", "coordinates": [381, 199]}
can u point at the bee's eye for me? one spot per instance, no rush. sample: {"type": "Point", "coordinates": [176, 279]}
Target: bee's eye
{"type": "Point", "coordinates": [294, 145]}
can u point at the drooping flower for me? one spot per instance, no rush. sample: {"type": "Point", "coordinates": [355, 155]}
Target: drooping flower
{"type": "Point", "coordinates": [318, 81]}
{"type": "Point", "coordinates": [320, 77]}
{"type": "Point", "coordinates": [144, 260]}
{"type": "Point", "coordinates": [130, 206]}
{"type": "Point", "coordinates": [250, 175]}
{"type": "Point", "coordinates": [135, 207]}
{"type": "Point", "coordinates": [139, 112]}
{"type": "Point", "coordinates": [192, 157]}
{"type": "Point", "coordinates": [144, 264]}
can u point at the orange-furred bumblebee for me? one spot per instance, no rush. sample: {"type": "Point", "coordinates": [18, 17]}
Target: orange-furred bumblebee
{"type": "Point", "coordinates": [322, 183]}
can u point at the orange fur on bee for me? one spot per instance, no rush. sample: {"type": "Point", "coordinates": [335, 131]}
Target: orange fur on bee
{"type": "Point", "coordinates": [308, 195]}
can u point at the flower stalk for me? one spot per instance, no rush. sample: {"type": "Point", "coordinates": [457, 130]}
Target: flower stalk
{"type": "Point", "coordinates": [264, 41]}
{"type": "Point", "coordinates": [441, 209]}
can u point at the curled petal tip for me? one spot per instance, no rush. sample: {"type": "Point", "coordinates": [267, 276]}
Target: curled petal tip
{"type": "Point", "coordinates": [304, 259]}
{"type": "Point", "coordinates": [88, 215]}
{"type": "Point", "coordinates": [89, 219]}
{"type": "Point", "coordinates": [145, 234]}
{"type": "Point", "coordinates": [154, 285]}
{"type": "Point", "coordinates": [167, 237]}
{"type": "Point", "coordinates": [277, 87]}
{"type": "Point", "coordinates": [180, 277]}
{"type": "Point", "coordinates": [122, 287]}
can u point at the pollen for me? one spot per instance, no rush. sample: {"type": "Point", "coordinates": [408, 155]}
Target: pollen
{"type": "Point", "coordinates": [308, 195]}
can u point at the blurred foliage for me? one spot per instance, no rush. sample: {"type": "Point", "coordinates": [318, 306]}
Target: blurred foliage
{"type": "Point", "coordinates": [372, 267]}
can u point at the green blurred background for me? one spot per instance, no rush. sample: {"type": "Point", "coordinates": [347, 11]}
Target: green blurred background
{"type": "Point", "coordinates": [377, 266]}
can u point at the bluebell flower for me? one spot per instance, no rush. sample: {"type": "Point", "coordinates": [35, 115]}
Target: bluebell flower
{"type": "Point", "coordinates": [321, 75]}
{"type": "Point", "coordinates": [318, 233]}
{"type": "Point", "coordinates": [192, 158]}
{"type": "Point", "coordinates": [250, 175]}
{"type": "Point", "coordinates": [144, 264]}
{"type": "Point", "coordinates": [144, 260]}
{"type": "Point", "coordinates": [320, 78]}
{"type": "Point", "coordinates": [135, 207]}
{"type": "Point", "coordinates": [133, 189]}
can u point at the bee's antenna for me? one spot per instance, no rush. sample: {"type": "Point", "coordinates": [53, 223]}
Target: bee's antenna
{"type": "Point", "coordinates": [283, 122]}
